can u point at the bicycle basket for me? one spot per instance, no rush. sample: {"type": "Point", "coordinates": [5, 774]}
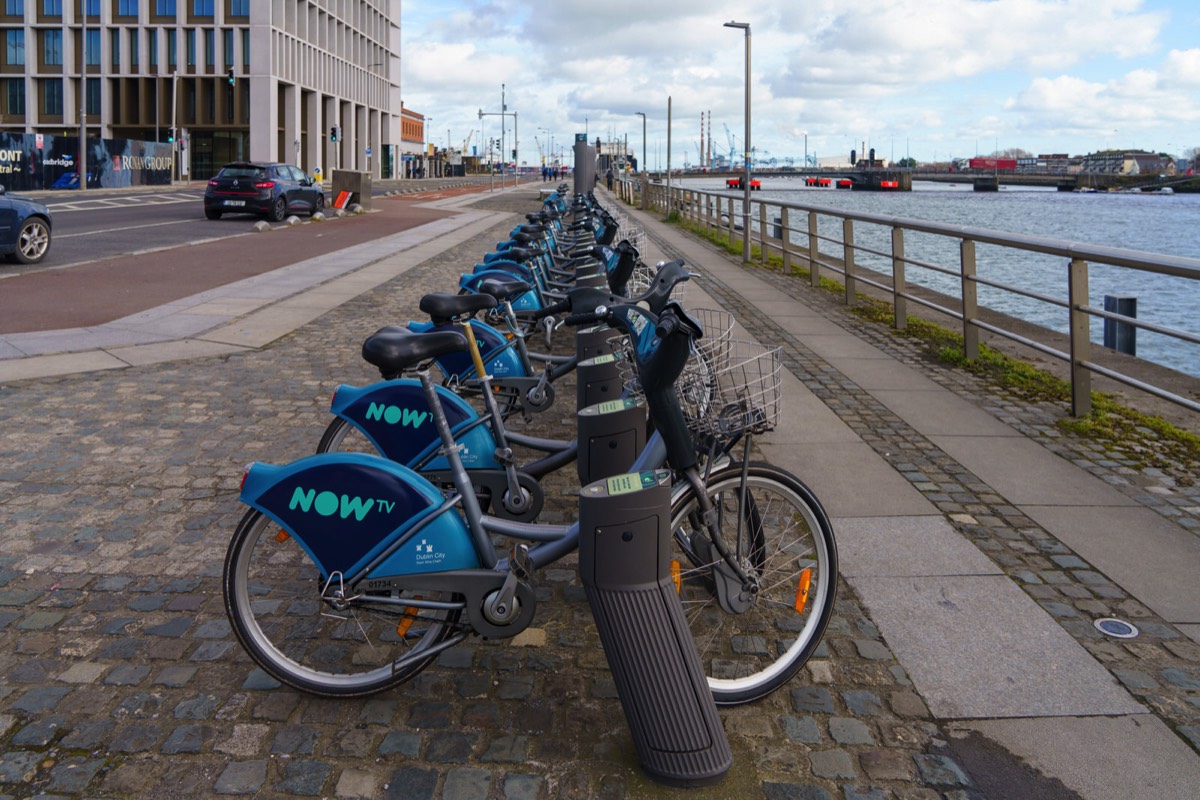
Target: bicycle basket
{"type": "Point", "coordinates": [746, 392]}
{"type": "Point", "coordinates": [696, 386]}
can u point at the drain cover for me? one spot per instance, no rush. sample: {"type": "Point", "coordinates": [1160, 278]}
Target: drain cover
{"type": "Point", "coordinates": [1117, 628]}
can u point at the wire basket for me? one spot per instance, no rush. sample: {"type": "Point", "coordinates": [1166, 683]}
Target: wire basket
{"type": "Point", "coordinates": [745, 392]}
{"type": "Point", "coordinates": [697, 385]}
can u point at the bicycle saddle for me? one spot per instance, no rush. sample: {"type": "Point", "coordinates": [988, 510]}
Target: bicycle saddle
{"type": "Point", "coordinates": [394, 350]}
{"type": "Point", "coordinates": [501, 290]}
{"type": "Point", "coordinates": [443, 306]}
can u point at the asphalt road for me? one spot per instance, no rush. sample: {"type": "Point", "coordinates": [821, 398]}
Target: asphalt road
{"type": "Point", "coordinates": [105, 224]}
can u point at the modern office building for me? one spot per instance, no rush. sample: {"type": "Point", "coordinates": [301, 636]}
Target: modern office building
{"type": "Point", "coordinates": [309, 82]}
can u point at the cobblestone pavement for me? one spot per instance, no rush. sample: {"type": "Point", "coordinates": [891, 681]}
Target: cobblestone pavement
{"type": "Point", "coordinates": [119, 676]}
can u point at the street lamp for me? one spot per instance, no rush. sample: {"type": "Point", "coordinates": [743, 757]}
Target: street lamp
{"type": "Point", "coordinates": [643, 116]}
{"type": "Point", "coordinates": [746, 176]}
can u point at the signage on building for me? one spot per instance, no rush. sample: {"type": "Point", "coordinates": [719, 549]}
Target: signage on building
{"type": "Point", "coordinates": [31, 162]}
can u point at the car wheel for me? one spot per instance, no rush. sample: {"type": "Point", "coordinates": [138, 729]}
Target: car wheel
{"type": "Point", "coordinates": [212, 213]}
{"type": "Point", "coordinates": [33, 242]}
{"type": "Point", "coordinates": [319, 205]}
{"type": "Point", "coordinates": [279, 209]}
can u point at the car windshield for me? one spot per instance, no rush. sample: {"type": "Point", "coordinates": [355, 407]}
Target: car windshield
{"type": "Point", "coordinates": [241, 172]}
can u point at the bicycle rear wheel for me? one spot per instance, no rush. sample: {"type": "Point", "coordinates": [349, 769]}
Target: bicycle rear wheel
{"type": "Point", "coordinates": [756, 636]}
{"type": "Point", "coordinates": [283, 613]}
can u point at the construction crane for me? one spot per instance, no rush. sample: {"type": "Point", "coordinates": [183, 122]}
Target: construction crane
{"type": "Point", "coordinates": [733, 159]}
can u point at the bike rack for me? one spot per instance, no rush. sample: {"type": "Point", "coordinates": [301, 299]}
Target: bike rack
{"type": "Point", "coordinates": [624, 564]}
{"type": "Point", "coordinates": [611, 435]}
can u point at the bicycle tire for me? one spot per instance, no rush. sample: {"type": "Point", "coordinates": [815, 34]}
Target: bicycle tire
{"type": "Point", "coordinates": [342, 437]}
{"type": "Point", "coordinates": [750, 654]}
{"type": "Point", "coordinates": [273, 598]}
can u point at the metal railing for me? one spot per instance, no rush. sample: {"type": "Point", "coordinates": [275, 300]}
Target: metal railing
{"type": "Point", "coordinates": [879, 251]}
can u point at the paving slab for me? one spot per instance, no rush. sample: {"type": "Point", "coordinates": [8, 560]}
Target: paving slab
{"type": "Point", "coordinates": [1102, 758]}
{"type": "Point", "coordinates": [936, 412]}
{"type": "Point", "coordinates": [850, 478]}
{"type": "Point", "coordinates": [834, 347]}
{"type": "Point", "coordinates": [1150, 558]}
{"type": "Point", "coordinates": [58, 364]}
{"type": "Point", "coordinates": [1026, 473]}
{"type": "Point", "coordinates": [906, 547]}
{"type": "Point", "coordinates": [979, 647]}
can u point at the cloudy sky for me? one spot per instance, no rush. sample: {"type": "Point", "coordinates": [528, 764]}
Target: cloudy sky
{"type": "Point", "coordinates": [926, 78]}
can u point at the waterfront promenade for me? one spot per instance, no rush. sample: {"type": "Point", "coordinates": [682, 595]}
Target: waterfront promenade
{"type": "Point", "coordinates": [977, 546]}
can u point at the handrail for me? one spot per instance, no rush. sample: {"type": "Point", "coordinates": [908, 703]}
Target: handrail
{"type": "Point", "coordinates": [721, 211]}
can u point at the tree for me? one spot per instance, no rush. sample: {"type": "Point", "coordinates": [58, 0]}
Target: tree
{"type": "Point", "coordinates": [907, 163]}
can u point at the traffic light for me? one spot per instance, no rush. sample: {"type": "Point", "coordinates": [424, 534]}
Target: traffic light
{"type": "Point", "coordinates": [170, 136]}
{"type": "Point", "coordinates": [333, 133]}
{"type": "Point", "coordinates": [231, 77]}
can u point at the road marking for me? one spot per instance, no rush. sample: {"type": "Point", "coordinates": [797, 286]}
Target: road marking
{"type": "Point", "coordinates": [122, 202]}
{"type": "Point", "coordinates": [128, 228]}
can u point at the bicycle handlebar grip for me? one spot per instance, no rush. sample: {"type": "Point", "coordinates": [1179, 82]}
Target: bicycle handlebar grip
{"type": "Point", "coordinates": [576, 320]}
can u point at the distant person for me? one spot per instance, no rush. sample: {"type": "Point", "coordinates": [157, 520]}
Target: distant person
{"type": "Point", "coordinates": [608, 178]}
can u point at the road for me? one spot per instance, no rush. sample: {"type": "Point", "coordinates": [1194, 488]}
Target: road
{"type": "Point", "coordinates": [106, 224]}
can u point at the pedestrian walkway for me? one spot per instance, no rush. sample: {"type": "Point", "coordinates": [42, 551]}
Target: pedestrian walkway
{"type": "Point", "coordinates": [977, 549]}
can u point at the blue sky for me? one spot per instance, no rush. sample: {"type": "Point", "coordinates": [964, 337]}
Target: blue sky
{"type": "Point", "coordinates": [926, 78]}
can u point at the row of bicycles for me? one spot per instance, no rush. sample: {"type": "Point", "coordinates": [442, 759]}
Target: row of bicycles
{"type": "Point", "coordinates": [416, 524]}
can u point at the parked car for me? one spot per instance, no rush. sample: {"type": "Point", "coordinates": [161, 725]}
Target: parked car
{"type": "Point", "coordinates": [269, 190]}
{"type": "Point", "coordinates": [24, 228]}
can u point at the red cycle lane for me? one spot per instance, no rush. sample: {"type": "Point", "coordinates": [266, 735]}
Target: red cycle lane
{"type": "Point", "coordinates": [103, 291]}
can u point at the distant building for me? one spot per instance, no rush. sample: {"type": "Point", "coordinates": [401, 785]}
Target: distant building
{"type": "Point", "coordinates": [1138, 162]}
{"type": "Point", "coordinates": [260, 80]}
{"type": "Point", "coordinates": [412, 142]}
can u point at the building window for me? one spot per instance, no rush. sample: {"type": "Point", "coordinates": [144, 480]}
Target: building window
{"type": "Point", "coordinates": [152, 45]}
{"type": "Point", "coordinates": [189, 37]}
{"type": "Point", "coordinates": [246, 49]}
{"type": "Point", "coordinates": [202, 8]}
{"type": "Point", "coordinates": [52, 96]}
{"type": "Point", "coordinates": [93, 96]}
{"type": "Point", "coordinates": [93, 47]}
{"type": "Point", "coordinates": [91, 8]}
{"type": "Point", "coordinates": [14, 46]}
{"type": "Point", "coordinates": [239, 8]}
{"type": "Point", "coordinates": [209, 49]}
{"type": "Point", "coordinates": [133, 49]}
{"type": "Point", "coordinates": [172, 54]}
{"type": "Point", "coordinates": [52, 8]}
{"type": "Point", "coordinates": [114, 39]}
{"type": "Point", "coordinates": [164, 8]}
{"type": "Point", "coordinates": [227, 46]}
{"type": "Point", "coordinates": [52, 47]}
{"type": "Point", "coordinates": [127, 8]}
{"type": "Point", "coordinates": [14, 96]}
{"type": "Point", "coordinates": [16, 8]}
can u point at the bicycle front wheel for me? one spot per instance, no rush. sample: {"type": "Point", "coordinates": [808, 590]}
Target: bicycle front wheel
{"type": "Point", "coordinates": [753, 635]}
{"type": "Point", "coordinates": [294, 624]}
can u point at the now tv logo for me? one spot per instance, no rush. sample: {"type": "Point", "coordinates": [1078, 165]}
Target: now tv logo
{"type": "Point", "coordinates": [394, 415]}
{"type": "Point", "coordinates": [328, 504]}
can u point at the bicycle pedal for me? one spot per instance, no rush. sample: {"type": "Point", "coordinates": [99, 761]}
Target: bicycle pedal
{"type": "Point", "coordinates": [520, 563]}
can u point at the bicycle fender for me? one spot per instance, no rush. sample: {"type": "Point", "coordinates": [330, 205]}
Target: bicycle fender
{"type": "Point", "coordinates": [395, 416]}
{"type": "Point", "coordinates": [346, 509]}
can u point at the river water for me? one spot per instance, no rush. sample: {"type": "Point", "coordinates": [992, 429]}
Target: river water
{"type": "Point", "coordinates": [1154, 223]}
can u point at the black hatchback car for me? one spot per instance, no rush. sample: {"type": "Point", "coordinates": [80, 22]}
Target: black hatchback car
{"type": "Point", "coordinates": [269, 190]}
{"type": "Point", "coordinates": [24, 228]}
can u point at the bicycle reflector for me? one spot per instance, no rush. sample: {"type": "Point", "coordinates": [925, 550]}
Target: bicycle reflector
{"type": "Point", "coordinates": [802, 589]}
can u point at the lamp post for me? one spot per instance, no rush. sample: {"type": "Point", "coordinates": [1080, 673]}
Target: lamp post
{"type": "Point", "coordinates": [643, 116]}
{"type": "Point", "coordinates": [746, 176]}
{"type": "Point", "coordinates": [83, 97]}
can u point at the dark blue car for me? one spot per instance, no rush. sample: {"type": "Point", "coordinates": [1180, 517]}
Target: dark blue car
{"type": "Point", "coordinates": [24, 228]}
{"type": "Point", "coordinates": [268, 190]}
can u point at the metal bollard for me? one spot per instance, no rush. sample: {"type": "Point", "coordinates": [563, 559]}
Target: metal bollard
{"type": "Point", "coordinates": [1120, 336]}
{"type": "Point", "coordinates": [624, 557]}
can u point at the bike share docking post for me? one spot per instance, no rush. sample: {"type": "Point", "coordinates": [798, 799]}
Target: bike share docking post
{"type": "Point", "coordinates": [624, 557]}
{"type": "Point", "coordinates": [595, 341]}
{"type": "Point", "coordinates": [611, 435]}
{"type": "Point", "coordinates": [598, 380]}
